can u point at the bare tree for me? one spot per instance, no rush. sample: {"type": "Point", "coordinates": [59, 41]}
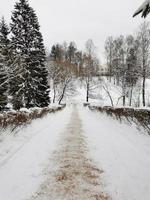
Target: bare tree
{"type": "Point", "coordinates": [61, 80]}
{"type": "Point", "coordinates": [144, 39]}
{"type": "Point", "coordinates": [71, 52]}
{"type": "Point", "coordinates": [105, 87]}
{"type": "Point", "coordinates": [66, 85]}
{"type": "Point", "coordinates": [133, 65]}
{"type": "Point", "coordinates": [90, 67]}
{"type": "Point", "coordinates": [54, 72]}
{"type": "Point", "coordinates": [109, 52]}
{"type": "Point", "coordinates": [119, 63]}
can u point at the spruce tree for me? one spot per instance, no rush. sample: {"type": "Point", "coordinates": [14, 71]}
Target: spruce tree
{"type": "Point", "coordinates": [4, 41]}
{"type": "Point", "coordinates": [28, 49]}
{"type": "Point", "coordinates": [3, 84]}
{"type": "Point", "coordinates": [71, 52]}
{"type": "Point", "coordinates": [56, 53]}
{"type": "Point", "coordinates": [4, 31]}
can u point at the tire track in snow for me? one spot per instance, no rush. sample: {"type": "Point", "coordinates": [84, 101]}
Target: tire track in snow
{"type": "Point", "coordinates": [74, 175]}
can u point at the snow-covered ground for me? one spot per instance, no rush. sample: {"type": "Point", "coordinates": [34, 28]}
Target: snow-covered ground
{"type": "Point", "coordinates": [99, 96]}
{"type": "Point", "coordinates": [24, 156]}
{"type": "Point", "coordinates": [122, 152]}
{"type": "Point", "coordinates": [72, 174]}
{"type": "Point", "coordinates": [118, 149]}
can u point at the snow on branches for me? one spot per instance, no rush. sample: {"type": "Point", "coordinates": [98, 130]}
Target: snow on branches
{"type": "Point", "coordinates": [144, 8]}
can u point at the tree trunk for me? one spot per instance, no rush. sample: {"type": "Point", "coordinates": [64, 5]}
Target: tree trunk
{"type": "Point", "coordinates": [143, 91]}
{"type": "Point", "coordinates": [131, 92]}
{"type": "Point", "coordinates": [143, 84]}
{"type": "Point", "coordinates": [60, 100]}
{"type": "Point", "coordinates": [62, 96]}
{"type": "Point", "coordinates": [112, 104]}
{"type": "Point", "coordinates": [124, 100]}
{"type": "Point", "coordinates": [54, 95]}
{"type": "Point", "coordinates": [88, 89]}
{"type": "Point", "coordinates": [87, 93]}
{"type": "Point", "coordinates": [124, 90]}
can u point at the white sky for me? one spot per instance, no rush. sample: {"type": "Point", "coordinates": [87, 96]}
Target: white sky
{"type": "Point", "coordinates": [79, 20]}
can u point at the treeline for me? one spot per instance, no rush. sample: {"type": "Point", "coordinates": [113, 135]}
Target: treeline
{"type": "Point", "coordinates": [128, 60]}
{"type": "Point", "coordinates": [23, 74]}
{"type": "Point", "coordinates": [72, 56]}
{"type": "Point", "coordinates": [66, 63]}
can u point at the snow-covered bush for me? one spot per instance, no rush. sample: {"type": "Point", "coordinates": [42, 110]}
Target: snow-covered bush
{"type": "Point", "coordinates": [140, 117]}
{"type": "Point", "coordinates": [14, 119]}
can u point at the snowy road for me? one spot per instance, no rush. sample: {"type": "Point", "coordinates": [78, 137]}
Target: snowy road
{"type": "Point", "coordinates": [77, 154]}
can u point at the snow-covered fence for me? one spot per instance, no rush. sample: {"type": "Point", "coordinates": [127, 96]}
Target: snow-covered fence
{"type": "Point", "coordinates": [140, 117]}
{"type": "Point", "coordinates": [17, 118]}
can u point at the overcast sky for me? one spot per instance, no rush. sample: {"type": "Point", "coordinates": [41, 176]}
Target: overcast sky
{"type": "Point", "coordinates": [79, 20]}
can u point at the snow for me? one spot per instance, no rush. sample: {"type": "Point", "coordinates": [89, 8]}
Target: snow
{"type": "Point", "coordinates": [25, 155]}
{"type": "Point", "coordinates": [102, 99]}
{"type": "Point", "coordinates": [119, 149]}
{"type": "Point", "coordinates": [24, 110]}
{"type": "Point", "coordinates": [122, 152]}
{"type": "Point", "coordinates": [147, 91]}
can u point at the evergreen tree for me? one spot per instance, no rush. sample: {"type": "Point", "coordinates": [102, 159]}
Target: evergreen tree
{"type": "Point", "coordinates": [53, 54]}
{"type": "Point", "coordinates": [29, 55]}
{"type": "Point", "coordinates": [3, 83]}
{"type": "Point", "coordinates": [4, 41]}
{"type": "Point", "coordinates": [71, 52]}
{"type": "Point", "coordinates": [4, 31]}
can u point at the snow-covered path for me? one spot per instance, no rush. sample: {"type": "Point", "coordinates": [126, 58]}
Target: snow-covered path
{"type": "Point", "coordinates": [21, 171]}
{"type": "Point", "coordinates": [73, 174]}
{"type": "Point", "coordinates": [122, 152]}
{"type": "Point", "coordinates": [78, 154]}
